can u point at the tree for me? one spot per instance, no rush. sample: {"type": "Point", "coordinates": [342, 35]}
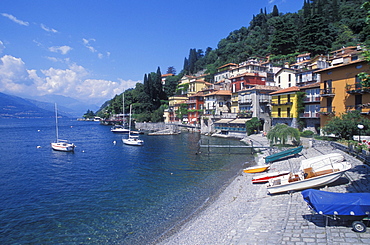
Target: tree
{"type": "Point", "coordinates": [89, 114]}
{"type": "Point", "coordinates": [171, 70]}
{"type": "Point", "coordinates": [252, 125]}
{"type": "Point", "coordinates": [281, 133]}
{"type": "Point", "coordinates": [344, 126]}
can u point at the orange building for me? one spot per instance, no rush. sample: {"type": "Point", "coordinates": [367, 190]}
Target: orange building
{"type": "Point", "coordinates": [341, 90]}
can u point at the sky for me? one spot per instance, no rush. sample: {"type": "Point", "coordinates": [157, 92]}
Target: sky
{"type": "Point", "coordinates": [91, 50]}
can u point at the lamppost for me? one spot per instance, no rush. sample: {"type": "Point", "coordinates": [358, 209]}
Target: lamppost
{"type": "Point", "coordinates": [360, 126]}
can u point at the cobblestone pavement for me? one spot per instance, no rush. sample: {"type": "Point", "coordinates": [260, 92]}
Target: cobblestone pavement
{"type": "Point", "coordinates": [286, 219]}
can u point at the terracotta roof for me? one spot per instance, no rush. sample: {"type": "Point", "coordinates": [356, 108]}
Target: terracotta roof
{"type": "Point", "coordinates": [167, 75]}
{"type": "Point", "coordinates": [219, 92]}
{"type": "Point", "coordinates": [286, 90]}
{"type": "Point", "coordinates": [229, 64]}
{"type": "Point", "coordinates": [313, 85]}
{"type": "Point", "coordinates": [302, 55]}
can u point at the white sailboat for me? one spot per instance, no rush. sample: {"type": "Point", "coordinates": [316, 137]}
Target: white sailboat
{"type": "Point", "coordinates": [121, 128]}
{"type": "Point", "coordinates": [132, 139]}
{"type": "Point", "coordinates": [60, 145]}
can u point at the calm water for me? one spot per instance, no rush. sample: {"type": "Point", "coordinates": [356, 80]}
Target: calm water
{"type": "Point", "coordinates": [104, 193]}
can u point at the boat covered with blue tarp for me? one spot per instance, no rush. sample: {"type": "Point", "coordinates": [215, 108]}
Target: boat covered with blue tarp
{"type": "Point", "coordinates": [330, 203]}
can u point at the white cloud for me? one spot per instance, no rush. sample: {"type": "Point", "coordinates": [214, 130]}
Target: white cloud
{"type": "Point", "coordinates": [87, 44]}
{"type": "Point", "coordinates": [14, 19]}
{"type": "Point", "coordinates": [74, 82]}
{"type": "Point", "coordinates": [14, 76]}
{"type": "Point", "coordinates": [2, 47]}
{"type": "Point", "coordinates": [45, 28]}
{"type": "Point", "coordinates": [60, 49]}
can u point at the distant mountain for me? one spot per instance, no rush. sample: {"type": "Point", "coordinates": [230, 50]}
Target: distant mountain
{"type": "Point", "coordinates": [16, 107]}
{"type": "Point", "coordinates": [71, 106]}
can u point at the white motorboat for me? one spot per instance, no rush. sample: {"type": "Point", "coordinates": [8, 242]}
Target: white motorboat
{"type": "Point", "coordinates": [308, 178]}
{"type": "Point", "coordinates": [132, 140]}
{"type": "Point", "coordinates": [60, 145]}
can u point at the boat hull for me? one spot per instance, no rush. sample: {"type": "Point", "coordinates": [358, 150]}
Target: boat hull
{"type": "Point", "coordinates": [134, 142]}
{"type": "Point", "coordinates": [279, 155]}
{"type": "Point", "coordinates": [68, 147]}
{"type": "Point", "coordinates": [257, 169]}
{"type": "Point", "coordinates": [266, 177]}
{"type": "Point", "coordinates": [304, 184]}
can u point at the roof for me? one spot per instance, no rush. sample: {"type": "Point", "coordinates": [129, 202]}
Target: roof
{"type": "Point", "coordinates": [240, 120]}
{"type": "Point", "coordinates": [312, 85]}
{"type": "Point", "coordinates": [226, 65]}
{"type": "Point", "coordinates": [220, 92]}
{"type": "Point", "coordinates": [167, 75]}
{"type": "Point", "coordinates": [286, 90]}
{"type": "Point", "coordinates": [224, 120]}
{"type": "Point", "coordinates": [341, 65]}
{"type": "Point", "coordinates": [262, 87]}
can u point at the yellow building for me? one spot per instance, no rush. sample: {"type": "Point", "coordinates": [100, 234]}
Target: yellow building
{"type": "Point", "coordinates": [284, 106]}
{"type": "Point", "coordinates": [341, 90]}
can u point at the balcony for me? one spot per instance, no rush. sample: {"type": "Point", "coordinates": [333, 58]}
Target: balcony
{"type": "Point", "coordinates": [281, 103]}
{"type": "Point", "coordinates": [245, 101]}
{"type": "Point", "coordinates": [311, 99]}
{"type": "Point", "coordinates": [327, 111]}
{"type": "Point", "coordinates": [362, 108]}
{"type": "Point", "coordinates": [357, 88]}
{"type": "Point", "coordinates": [327, 92]}
{"type": "Point", "coordinates": [310, 114]}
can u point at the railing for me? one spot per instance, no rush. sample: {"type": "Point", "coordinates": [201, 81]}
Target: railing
{"type": "Point", "coordinates": [281, 103]}
{"type": "Point", "coordinates": [357, 88]}
{"type": "Point", "coordinates": [362, 155]}
{"type": "Point", "coordinates": [362, 108]}
{"type": "Point", "coordinates": [310, 115]}
{"type": "Point", "coordinates": [327, 111]}
{"type": "Point", "coordinates": [311, 99]}
{"type": "Point", "coordinates": [327, 92]}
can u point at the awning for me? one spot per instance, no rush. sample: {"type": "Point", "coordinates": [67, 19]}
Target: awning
{"type": "Point", "coordinates": [240, 120]}
{"type": "Point", "coordinates": [224, 120]}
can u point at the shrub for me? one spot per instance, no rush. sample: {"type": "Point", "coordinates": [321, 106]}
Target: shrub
{"type": "Point", "coordinates": [307, 133]}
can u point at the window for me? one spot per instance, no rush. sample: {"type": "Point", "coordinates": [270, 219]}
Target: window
{"type": "Point", "coordinates": [279, 112]}
{"type": "Point", "coordinates": [289, 78]}
{"type": "Point", "coordinates": [288, 97]}
{"type": "Point", "coordinates": [288, 112]}
{"type": "Point", "coordinates": [279, 99]}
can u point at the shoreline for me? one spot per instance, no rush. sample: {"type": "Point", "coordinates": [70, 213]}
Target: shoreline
{"type": "Point", "coordinates": [244, 213]}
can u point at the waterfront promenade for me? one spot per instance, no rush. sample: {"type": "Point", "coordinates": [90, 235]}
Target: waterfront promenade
{"type": "Point", "coordinates": [244, 213]}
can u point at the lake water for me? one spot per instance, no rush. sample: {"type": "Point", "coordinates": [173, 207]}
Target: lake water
{"type": "Point", "coordinates": [104, 193]}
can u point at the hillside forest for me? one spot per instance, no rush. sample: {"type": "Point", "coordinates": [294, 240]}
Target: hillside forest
{"type": "Point", "coordinates": [320, 27]}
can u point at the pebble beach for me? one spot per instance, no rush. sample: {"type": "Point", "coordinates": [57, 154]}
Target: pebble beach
{"type": "Point", "coordinates": [244, 213]}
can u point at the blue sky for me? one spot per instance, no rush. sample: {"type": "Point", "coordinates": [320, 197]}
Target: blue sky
{"type": "Point", "coordinates": [91, 50]}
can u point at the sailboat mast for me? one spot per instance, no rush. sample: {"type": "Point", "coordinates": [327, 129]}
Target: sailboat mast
{"type": "Point", "coordinates": [129, 123]}
{"type": "Point", "coordinates": [56, 122]}
{"type": "Point", "coordinates": [123, 108]}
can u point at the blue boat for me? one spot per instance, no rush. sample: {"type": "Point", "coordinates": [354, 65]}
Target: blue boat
{"type": "Point", "coordinates": [282, 154]}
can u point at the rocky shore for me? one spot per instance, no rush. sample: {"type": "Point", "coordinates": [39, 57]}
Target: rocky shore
{"type": "Point", "coordinates": [244, 213]}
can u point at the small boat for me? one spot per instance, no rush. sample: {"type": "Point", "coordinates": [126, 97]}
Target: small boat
{"type": "Point", "coordinates": [132, 139]}
{"type": "Point", "coordinates": [308, 178]}
{"type": "Point", "coordinates": [343, 206]}
{"type": "Point", "coordinates": [265, 177]}
{"type": "Point", "coordinates": [321, 161]}
{"type": "Point", "coordinates": [119, 129]}
{"type": "Point", "coordinates": [60, 145]}
{"type": "Point", "coordinates": [282, 154]}
{"type": "Point", "coordinates": [256, 169]}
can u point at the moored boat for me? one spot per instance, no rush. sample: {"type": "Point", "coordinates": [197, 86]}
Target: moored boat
{"type": "Point", "coordinates": [265, 177]}
{"type": "Point", "coordinates": [132, 139]}
{"type": "Point", "coordinates": [256, 169]}
{"type": "Point", "coordinates": [282, 154]}
{"type": "Point", "coordinates": [308, 178]}
{"type": "Point", "coordinates": [60, 145]}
